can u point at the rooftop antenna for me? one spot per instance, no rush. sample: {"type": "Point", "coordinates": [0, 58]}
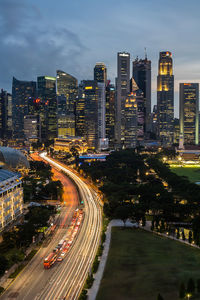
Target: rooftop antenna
{"type": "Point", "coordinates": [145, 52]}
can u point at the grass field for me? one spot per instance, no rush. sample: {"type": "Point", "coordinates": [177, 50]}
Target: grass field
{"type": "Point", "coordinates": [140, 265]}
{"type": "Point", "coordinates": [191, 172]}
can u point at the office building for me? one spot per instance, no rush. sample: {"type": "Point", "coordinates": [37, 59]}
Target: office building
{"type": "Point", "coordinates": [5, 115]}
{"type": "Point", "coordinates": [32, 128]}
{"type": "Point", "coordinates": [89, 89]}
{"type": "Point", "coordinates": [46, 88]}
{"type": "Point", "coordinates": [122, 88]}
{"type": "Point", "coordinates": [130, 132]}
{"type": "Point", "coordinates": [102, 141]}
{"type": "Point", "coordinates": [189, 113]}
{"type": "Point", "coordinates": [67, 88]}
{"type": "Point", "coordinates": [11, 197]}
{"type": "Point", "coordinates": [66, 144]}
{"type": "Point", "coordinates": [80, 111]}
{"type": "Point", "coordinates": [142, 76]}
{"type": "Point", "coordinates": [100, 72]}
{"type": "Point", "coordinates": [110, 114]}
{"type": "Point", "coordinates": [23, 92]}
{"type": "Point", "coordinates": [165, 99]}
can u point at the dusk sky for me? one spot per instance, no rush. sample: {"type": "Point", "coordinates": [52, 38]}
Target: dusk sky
{"type": "Point", "coordinates": [40, 36]}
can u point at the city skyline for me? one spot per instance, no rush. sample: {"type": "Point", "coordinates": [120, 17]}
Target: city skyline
{"type": "Point", "coordinates": [32, 37]}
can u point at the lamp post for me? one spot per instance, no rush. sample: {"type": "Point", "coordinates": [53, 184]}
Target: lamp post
{"type": "Point", "coordinates": [188, 296]}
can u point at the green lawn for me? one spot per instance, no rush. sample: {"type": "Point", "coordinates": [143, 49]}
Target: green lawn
{"type": "Point", "coordinates": [193, 173]}
{"type": "Point", "coordinates": [140, 265]}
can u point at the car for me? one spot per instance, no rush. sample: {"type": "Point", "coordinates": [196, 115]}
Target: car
{"type": "Point", "coordinates": [59, 259]}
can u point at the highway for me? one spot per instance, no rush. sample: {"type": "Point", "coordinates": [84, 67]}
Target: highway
{"type": "Point", "coordinates": [64, 280]}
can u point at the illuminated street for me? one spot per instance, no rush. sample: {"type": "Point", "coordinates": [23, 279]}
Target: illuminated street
{"type": "Point", "coordinates": [64, 279]}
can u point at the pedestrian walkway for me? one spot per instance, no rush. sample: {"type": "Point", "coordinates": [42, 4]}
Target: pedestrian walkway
{"type": "Point", "coordinates": [92, 293]}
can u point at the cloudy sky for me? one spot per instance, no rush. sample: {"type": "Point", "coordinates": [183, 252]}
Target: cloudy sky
{"type": "Point", "coordinates": [40, 36]}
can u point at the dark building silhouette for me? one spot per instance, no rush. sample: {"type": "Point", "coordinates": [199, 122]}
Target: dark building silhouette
{"type": "Point", "coordinates": [46, 88]}
{"type": "Point", "coordinates": [67, 89]}
{"type": "Point", "coordinates": [110, 114]}
{"type": "Point", "coordinates": [165, 98]}
{"type": "Point", "coordinates": [5, 115]}
{"type": "Point", "coordinates": [189, 113]}
{"type": "Point", "coordinates": [142, 76]}
{"type": "Point", "coordinates": [100, 72]}
{"type": "Point", "coordinates": [122, 89]}
{"type": "Point", "coordinates": [23, 92]}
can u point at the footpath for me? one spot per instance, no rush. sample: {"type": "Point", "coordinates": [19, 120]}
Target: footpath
{"type": "Point", "coordinates": [92, 293]}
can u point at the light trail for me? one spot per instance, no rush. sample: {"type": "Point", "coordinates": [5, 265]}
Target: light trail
{"type": "Point", "coordinates": [68, 281]}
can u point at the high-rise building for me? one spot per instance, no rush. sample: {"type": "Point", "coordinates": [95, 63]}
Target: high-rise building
{"type": "Point", "coordinates": [189, 113]}
{"type": "Point", "coordinates": [89, 90]}
{"type": "Point", "coordinates": [165, 98]}
{"type": "Point", "coordinates": [100, 72]}
{"type": "Point", "coordinates": [23, 92]}
{"type": "Point", "coordinates": [80, 111]}
{"type": "Point", "coordinates": [46, 87]}
{"type": "Point", "coordinates": [32, 128]}
{"type": "Point", "coordinates": [122, 88]}
{"type": "Point", "coordinates": [5, 115]}
{"type": "Point", "coordinates": [130, 132]}
{"type": "Point", "coordinates": [142, 76]}
{"type": "Point", "coordinates": [67, 88]}
{"type": "Point", "coordinates": [102, 141]}
{"type": "Point", "coordinates": [110, 114]}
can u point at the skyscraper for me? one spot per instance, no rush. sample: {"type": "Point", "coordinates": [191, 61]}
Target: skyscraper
{"type": "Point", "coordinates": [89, 90]}
{"type": "Point", "coordinates": [100, 72]}
{"type": "Point", "coordinates": [23, 92]}
{"type": "Point", "coordinates": [130, 131]}
{"type": "Point", "coordinates": [142, 76]}
{"type": "Point", "coordinates": [189, 113]}
{"type": "Point", "coordinates": [67, 88]}
{"type": "Point", "coordinates": [110, 114]}
{"type": "Point", "coordinates": [46, 87]}
{"type": "Point", "coordinates": [5, 115]}
{"type": "Point", "coordinates": [123, 88]}
{"type": "Point", "coordinates": [165, 98]}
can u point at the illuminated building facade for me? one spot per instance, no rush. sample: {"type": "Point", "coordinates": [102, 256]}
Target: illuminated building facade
{"type": "Point", "coordinates": [23, 92]}
{"type": "Point", "coordinates": [142, 76]}
{"type": "Point", "coordinates": [46, 87]}
{"type": "Point", "coordinates": [90, 94]}
{"type": "Point", "coordinates": [110, 114]}
{"type": "Point", "coordinates": [80, 111]}
{"type": "Point", "coordinates": [66, 144]}
{"type": "Point", "coordinates": [165, 98]}
{"type": "Point", "coordinates": [100, 72]}
{"type": "Point", "coordinates": [130, 111]}
{"type": "Point", "coordinates": [32, 128]}
{"type": "Point", "coordinates": [67, 89]}
{"type": "Point", "coordinates": [5, 115]}
{"type": "Point", "coordinates": [189, 113]}
{"type": "Point", "coordinates": [11, 197]}
{"type": "Point", "coordinates": [122, 88]}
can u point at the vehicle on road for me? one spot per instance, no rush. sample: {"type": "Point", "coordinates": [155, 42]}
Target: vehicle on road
{"type": "Point", "coordinates": [50, 260]}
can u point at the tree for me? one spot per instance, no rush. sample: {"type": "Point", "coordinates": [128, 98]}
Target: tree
{"type": "Point", "coordinates": [123, 213]}
{"type": "Point", "coordinates": [198, 285]}
{"type": "Point", "coordinates": [191, 286]}
{"type": "Point", "coordinates": [143, 221]}
{"type": "Point", "coordinates": [183, 235]}
{"type": "Point", "coordinates": [152, 225]}
{"type": "Point", "coordinates": [182, 291]}
{"type": "Point", "coordinates": [160, 297]}
{"type": "Point", "coordinates": [178, 234]}
{"type": "Point", "coordinates": [190, 237]}
{"type": "Point", "coordinates": [3, 264]}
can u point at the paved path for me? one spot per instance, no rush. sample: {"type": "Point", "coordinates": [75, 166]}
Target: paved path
{"type": "Point", "coordinates": [92, 293]}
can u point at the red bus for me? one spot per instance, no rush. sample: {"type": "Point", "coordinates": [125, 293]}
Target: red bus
{"type": "Point", "coordinates": [50, 260]}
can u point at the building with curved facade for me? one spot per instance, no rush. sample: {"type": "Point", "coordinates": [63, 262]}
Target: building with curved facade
{"type": "Point", "coordinates": [13, 159]}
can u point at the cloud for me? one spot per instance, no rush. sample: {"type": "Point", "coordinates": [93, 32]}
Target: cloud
{"type": "Point", "coordinates": [30, 47]}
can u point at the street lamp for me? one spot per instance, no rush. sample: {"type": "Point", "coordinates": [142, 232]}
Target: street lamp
{"type": "Point", "coordinates": [188, 296]}
{"type": "Point", "coordinates": [164, 159]}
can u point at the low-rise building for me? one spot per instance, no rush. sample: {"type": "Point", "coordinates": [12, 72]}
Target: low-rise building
{"type": "Point", "coordinates": [66, 144]}
{"type": "Point", "coordinates": [11, 197]}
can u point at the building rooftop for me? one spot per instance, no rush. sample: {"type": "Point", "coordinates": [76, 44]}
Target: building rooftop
{"type": "Point", "coordinates": [5, 174]}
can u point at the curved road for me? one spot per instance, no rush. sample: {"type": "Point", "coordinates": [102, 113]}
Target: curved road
{"type": "Point", "coordinates": [68, 281]}
{"type": "Point", "coordinates": [64, 280]}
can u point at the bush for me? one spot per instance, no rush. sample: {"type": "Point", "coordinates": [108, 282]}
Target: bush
{"type": "Point", "coordinates": [83, 295]}
{"type": "Point", "coordinates": [182, 291]}
{"type": "Point", "coordinates": [89, 281]}
{"type": "Point", "coordinates": [95, 265]}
